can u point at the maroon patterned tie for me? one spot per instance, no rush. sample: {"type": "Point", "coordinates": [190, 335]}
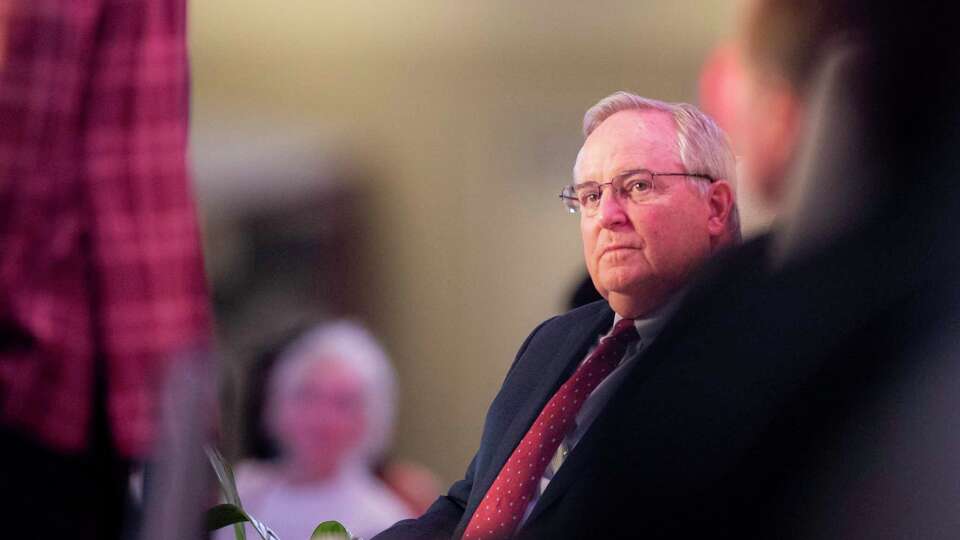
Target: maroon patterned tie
{"type": "Point", "coordinates": [503, 506]}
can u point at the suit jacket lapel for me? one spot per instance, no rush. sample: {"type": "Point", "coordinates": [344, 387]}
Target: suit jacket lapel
{"type": "Point", "coordinates": [640, 371]}
{"type": "Point", "coordinates": [567, 355]}
{"type": "Point", "coordinates": [580, 456]}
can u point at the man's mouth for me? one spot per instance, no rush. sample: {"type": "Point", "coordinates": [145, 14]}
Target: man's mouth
{"type": "Point", "coordinates": [618, 248]}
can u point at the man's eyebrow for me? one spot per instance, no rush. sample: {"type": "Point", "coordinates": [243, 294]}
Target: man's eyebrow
{"type": "Point", "coordinates": [631, 172]}
{"type": "Point", "coordinates": [624, 174]}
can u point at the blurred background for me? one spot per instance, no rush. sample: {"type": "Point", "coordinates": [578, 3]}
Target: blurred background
{"type": "Point", "coordinates": [399, 162]}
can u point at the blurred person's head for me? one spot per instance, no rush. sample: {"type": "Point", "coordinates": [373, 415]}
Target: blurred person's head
{"type": "Point", "coordinates": [779, 51]}
{"type": "Point", "coordinates": [330, 402]}
{"type": "Point", "coordinates": [654, 186]}
{"type": "Point", "coordinates": [905, 54]}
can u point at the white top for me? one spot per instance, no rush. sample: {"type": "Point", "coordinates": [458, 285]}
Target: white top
{"type": "Point", "coordinates": [353, 497]}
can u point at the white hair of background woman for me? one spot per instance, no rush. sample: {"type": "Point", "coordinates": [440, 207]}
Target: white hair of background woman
{"type": "Point", "coordinates": [703, 147]}
{"type": "Point", "coordinates": [354, 346]}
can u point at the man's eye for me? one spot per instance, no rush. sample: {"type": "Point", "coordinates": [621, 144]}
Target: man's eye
{"type": "Point", "coordinates": [589, 197]}
{"type": "Point", "coordinates": [638, 186]}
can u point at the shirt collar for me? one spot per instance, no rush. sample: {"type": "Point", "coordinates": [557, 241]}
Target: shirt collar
{"type": "Point", "coordinates": [648, 327]}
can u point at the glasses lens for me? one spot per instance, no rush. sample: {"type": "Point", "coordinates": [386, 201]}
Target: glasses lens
{"type": "Point", "coordinates": [588, 196]}
{"type": "Point", "coordinates": [569, 198]}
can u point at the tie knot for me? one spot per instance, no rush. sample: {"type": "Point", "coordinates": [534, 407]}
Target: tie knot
{"type": "Point", "coordinates": [625, 330]}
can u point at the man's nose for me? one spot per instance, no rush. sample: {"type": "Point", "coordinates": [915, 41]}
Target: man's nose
{"type": "Point", "coordinates": [611, 211]}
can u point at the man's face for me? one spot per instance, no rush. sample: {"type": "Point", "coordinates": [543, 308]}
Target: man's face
{"type": "Point", "coordinates": [638, 253]}
{"type": "Point", "coordinates": [766, 127]}
{"type": "Point", "coordinates": [769, 115]}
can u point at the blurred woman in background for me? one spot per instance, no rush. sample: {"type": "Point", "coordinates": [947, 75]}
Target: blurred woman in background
{"type": "Point", "coordinates": [329, 407]}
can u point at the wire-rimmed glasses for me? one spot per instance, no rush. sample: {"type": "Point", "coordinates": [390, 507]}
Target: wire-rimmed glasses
{"type": "Point", "coordinates": [634, 186]}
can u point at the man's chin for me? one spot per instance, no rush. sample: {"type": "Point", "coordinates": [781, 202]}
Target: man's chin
{"type": "Point", "coordinates": [623, 284]}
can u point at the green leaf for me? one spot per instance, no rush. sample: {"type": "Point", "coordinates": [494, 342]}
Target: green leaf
{"type": "Point", "coordinates": [225, 514]}
{"type": "Point", "coordinates": [232, 512]}
{"type": "Point", "coordinates": [330, 530]}
{"type": "Point", "coordinates": [228, 486]}
{"type": "Point", "coordinates": [224, 475]}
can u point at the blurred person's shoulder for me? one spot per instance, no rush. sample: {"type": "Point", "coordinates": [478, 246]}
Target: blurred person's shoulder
{"type": "Point", "coordinates": [385, 502]}
{"type": "Point", "coordinates": [733, 270]}
{"type": "Point", "coordinates": [377, 506]}
{"type": "Point", "coordinates": [255, 476]}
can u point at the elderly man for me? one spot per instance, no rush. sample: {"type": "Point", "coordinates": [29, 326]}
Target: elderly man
{"type": "Point", "coordinates": [654, 189]}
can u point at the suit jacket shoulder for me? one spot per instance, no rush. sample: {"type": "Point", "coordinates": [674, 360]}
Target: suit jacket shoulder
{"type": "Point", "coordinates": [543, 362]}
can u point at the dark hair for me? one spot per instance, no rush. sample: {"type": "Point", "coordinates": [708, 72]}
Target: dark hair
{"type": "Point", "coordinates": [907, 81]}
{"type": "Point", "coordinates": [792, 36]}
{"type": "Point", "coordinates": [901, 86]}
{"type": "Point", "coordinates": [789, 37]}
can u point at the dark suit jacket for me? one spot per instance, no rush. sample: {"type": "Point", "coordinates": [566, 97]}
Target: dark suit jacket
{"type": "Point", "coordinates": [545, 360]}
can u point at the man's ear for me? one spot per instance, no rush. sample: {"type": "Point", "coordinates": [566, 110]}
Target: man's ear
{"type": "Point", "coordinates": [720, 201]}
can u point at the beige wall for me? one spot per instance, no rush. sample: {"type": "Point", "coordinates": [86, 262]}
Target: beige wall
{"type": "Point", "coordinates": [469, 112]}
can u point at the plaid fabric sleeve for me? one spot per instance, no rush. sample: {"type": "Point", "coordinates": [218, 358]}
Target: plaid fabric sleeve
{"type": "Point", "coordinates": [46, 346]}
{"type": "Point", "coordinates": [151, 290]}
{"type": "Point", "coordinates": [100, 266]}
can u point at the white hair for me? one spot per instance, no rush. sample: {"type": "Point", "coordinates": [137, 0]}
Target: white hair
{"type": "Point", "coordinates": [353, 346]}
{"type": "Point", "coordinates": [703, 147]}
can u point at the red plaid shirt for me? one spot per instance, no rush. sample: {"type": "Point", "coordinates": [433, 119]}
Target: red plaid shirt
{"type": "Point", "coordinates": [100, 258]}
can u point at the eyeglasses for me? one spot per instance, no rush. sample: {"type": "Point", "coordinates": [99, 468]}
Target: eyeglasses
{"type": "Point", "coordinates": [635, 186]}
